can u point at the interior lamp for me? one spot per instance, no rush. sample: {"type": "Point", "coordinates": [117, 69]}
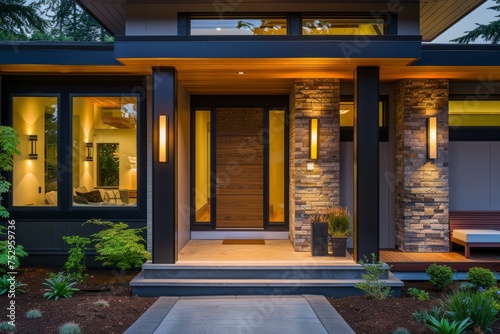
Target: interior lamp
{"type": "Point", "coordinates": [432, 137]}
{"type": "Point", "coordinates": [33, 139]}
{"type": "Point", "coordinates": [162, 138]}
{"type": "Point", "coordinates": [89, 147]}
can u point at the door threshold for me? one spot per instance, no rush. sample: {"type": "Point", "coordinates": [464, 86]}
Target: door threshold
{"type": "Point", "coordinates": [221, 235]}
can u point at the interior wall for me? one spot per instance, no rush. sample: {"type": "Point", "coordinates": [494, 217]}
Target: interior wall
{"type": "Point", "coordinates": [183, 167]}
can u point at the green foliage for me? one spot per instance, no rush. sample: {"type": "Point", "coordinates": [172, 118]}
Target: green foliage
{"type": "Point", "coordinates": [418, 294]}
{"type": "Point", "coordinates": [440, 276]}
{"type": "Point", "coordinates": [70, 328]}
{"type": "Point", "coordinates": [75, 265]}
{"type": "Point", "coordinates": [339, 222]}
{"type": "Point", "coordinates": [5, 326]}
{"type": "Point", "coordinates": [481, 277]}
{"type": "Point", "coordinates": [59, 286]}
{"type": "Point", "coordinates": [439, 322]}
{"type": "Point", "coordinates": [488, 32]}
{"type": "Point", "coordinates": [494, 293]}
{"type": "Point", "coordinates": [119, 245]}
{"type": "Point", "coordinates": [9, 254]}
{"type": "Point", "coordinates": [34, 314]}
{"type": "Point", "coordinates": [372, 285]}
{"type": "Point", "coordinates": [19, 19]}
{"type": "Point", "coordinates": [8, 147]}
{"type": "Point", "coordinates": [5, 285]}
{"type": "Point", "coordinates": [474, 305]}
{"type": "Point", "coordinates": [401, 331]}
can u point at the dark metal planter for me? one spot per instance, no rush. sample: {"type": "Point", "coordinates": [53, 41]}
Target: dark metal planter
{"type": "Point", "coordinates": [339, 246]}
{"type": "Point", "coordinates": [319, 239]}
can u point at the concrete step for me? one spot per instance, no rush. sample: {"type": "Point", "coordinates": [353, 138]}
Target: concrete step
{"type": "Point", "coordinates": [185, 280]}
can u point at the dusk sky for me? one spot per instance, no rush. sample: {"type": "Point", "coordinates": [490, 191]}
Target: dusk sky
{"type": "Point", "coordinates": [480, 15]}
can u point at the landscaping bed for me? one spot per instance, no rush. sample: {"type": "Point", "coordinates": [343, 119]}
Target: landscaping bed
{"type": "Point", "coordinates": [363, 314]}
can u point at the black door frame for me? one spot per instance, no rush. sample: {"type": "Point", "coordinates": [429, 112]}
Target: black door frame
{"type": "Point", "coordinates": [212, 102]}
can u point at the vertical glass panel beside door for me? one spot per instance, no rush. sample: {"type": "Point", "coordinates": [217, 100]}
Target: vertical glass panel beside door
{"type": "Point", "coordinates": [202, 166]}
{"type": "Point", "coordinates": [35, 118]}
{"type": "Point", "coordinates": [104, 151]}
{"type": "Point", "coordinates": [276, 166]}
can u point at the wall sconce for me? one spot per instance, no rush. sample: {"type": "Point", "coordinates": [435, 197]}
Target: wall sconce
{"type": "Point", "coordinates": [162, 138]}
{"type": "Point", "coordinates": [432, 137]}
{"type": "Point", "coordinates": [89, 147]}
{"type": "Point", "coordinates": [310, 165]}
{"type": "Point", "coordinates": [313, 138]}
{"type": "Point", "coordinates": [33, 139]}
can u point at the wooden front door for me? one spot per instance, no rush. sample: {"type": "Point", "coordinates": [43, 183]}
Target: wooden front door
{"type": "Point", "coordinates": [239, 153]}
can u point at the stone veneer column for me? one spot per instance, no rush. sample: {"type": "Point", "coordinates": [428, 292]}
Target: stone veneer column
{"type": "Point", "coordinates": [422, 192]}
{"type": "Point", "coordinates": [310, 191]}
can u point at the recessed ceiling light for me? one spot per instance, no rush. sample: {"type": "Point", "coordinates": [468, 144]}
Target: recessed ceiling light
{"type": "Point", "coordinates": [241, 72]}
{"type": "Point", "coordinates": [218, 29]}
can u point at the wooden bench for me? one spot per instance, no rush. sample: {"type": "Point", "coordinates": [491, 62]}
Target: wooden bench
{"type": "Point", "coordinates": [475, 229]}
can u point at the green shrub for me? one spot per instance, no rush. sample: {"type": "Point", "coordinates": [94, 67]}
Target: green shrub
{"type": "Point", "coordinates": [34, 314]}
{"type": "Point", "coordinates": [75, 265]}
{"type": "Point", "coordinates": [481, 277]}
{"type": "Point", "coordinates": [9, 251]}
{"type": "Point", "coordinates": [418, 294]}
{"type": "Point", "coordinates": [494, 293]}
{"type": "Point", "coordinates": [440, 276]}
{"type": "Point", "coordinates": [70, 328]}
{"type": "Point", "coordinates": [439, 322]}
{"type": "Point", "coordinates": [9, 141]}
{"type": "Point", "coordinates": [401, 331]}
{"type": "Point", "coordinates": [372, 285]}
{"type": "Point", "coordinates": [6, 285]}
{"type": "Point", "coordinates": [470, 304]}
{"type": "Point", "coordinates": [58, 286]}
{"type": "Point", "coordinates": [119, 246]}
{"type": "Point", "coordinates": [5, 326]}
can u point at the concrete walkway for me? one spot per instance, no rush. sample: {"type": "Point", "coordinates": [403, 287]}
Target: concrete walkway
{"type": "Point", "coordinates": [300, 314]}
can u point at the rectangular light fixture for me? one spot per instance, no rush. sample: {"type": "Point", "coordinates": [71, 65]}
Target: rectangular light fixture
{"type": "Point", "coordinates": [313, 138]}
{"type": "Point", "coordinates": [33, 139]}
{"type": "Point", "coordinates": [163, 138]}
{"type": "Point", "coordinates": [89, 147]}
{"type": "Point", "coordinates": [432, 137]}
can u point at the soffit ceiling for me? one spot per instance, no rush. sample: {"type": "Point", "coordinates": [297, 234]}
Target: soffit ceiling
{"type": "Point", "coordinates": [265, 76]}
{"type": "Point", "coordinates": [435, 15]}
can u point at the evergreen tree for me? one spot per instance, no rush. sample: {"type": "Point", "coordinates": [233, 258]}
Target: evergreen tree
{"type": "Point", "coordinates": [19, 20]}
{"type": "Point", "coordinates": [488, 32]}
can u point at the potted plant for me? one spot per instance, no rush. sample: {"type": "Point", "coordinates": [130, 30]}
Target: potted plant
{"type": "Point", "coordinates": [339, 228]}
{"type": "Point", "coordinates": [319, 234]}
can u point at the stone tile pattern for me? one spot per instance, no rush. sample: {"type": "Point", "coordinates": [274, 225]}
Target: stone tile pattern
{"type": "Point", "coordinates": [310, 191]}
{"type": "Point", "coordinates": [421, 184]}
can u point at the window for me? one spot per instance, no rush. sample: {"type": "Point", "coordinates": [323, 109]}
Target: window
{"type": "Point", "coordinates": [347, 114]}
{"type": "Point", "coordinates": [104, 151]}
{"type": "Point", "coordinates": [276, 165]}
{"type": "Point", "coordinates": [342, 26]}
{"type": "Point", "coordinates": [239, 26]}
{"type": "Point", "coordinates": [474, 113]}
{"type": "Point", "coordinates": [202, 165]}
{"type": "Point", "coordinates": [35, 183]}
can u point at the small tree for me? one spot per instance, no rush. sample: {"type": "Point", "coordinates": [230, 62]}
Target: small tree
{"type": "Point", "coordinates": [75, 265]}
{"type": "Point", "coordinates": [8, 147]}
{"type": "Point", "coordinates": [119, 245]}
{"type": "Point", "coordinates": [488, 32]}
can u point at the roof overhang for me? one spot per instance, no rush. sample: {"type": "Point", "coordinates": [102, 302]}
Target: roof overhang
{"type": "Point", "coordinates": [436, 16]}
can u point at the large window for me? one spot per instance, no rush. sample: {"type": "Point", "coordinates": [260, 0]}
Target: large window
{"type": "Point", "coordinates": [347, 114]}
{"type": "Point", "coordinates": [239, 26]}
{"type": "Point", "coordinates": [104, 150]}
{"type": "Point", "coordinates": [35, 182]}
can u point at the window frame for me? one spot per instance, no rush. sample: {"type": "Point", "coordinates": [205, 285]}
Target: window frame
{"type": "Point", "coordinates": [64, 88]}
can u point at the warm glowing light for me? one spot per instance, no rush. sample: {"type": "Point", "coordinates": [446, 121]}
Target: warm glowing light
{"type": "Point", "coordinates": [310, 166]}
{"type": "Point", "coordinates": [162, 138]}
{"type": "Point", "coordinates": [313, 138]}
{"type": "Point", "coordinates": [432, 137]}
{"type": "Point", "coordinates": [241, 72]}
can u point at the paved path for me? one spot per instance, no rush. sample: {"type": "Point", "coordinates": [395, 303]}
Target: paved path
{"type": "Point", "coordinates": [241, 314]}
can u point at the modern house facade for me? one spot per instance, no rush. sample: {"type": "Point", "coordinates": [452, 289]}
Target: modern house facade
{"type": "Point", "coordinates": [240, 119]}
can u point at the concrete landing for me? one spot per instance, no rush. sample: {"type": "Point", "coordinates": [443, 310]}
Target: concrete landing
{"type": "Point", "coordinates": [296, 314]}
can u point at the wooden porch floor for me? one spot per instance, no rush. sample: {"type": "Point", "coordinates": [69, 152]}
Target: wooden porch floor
{"type": "Point", "coordinates": [402, 261]}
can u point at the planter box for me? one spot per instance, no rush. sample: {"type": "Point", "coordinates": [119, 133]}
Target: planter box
{"type": "Point", "coordinates": [339, 246]}
{"type": "Point", "coordinates": [319, 239]}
